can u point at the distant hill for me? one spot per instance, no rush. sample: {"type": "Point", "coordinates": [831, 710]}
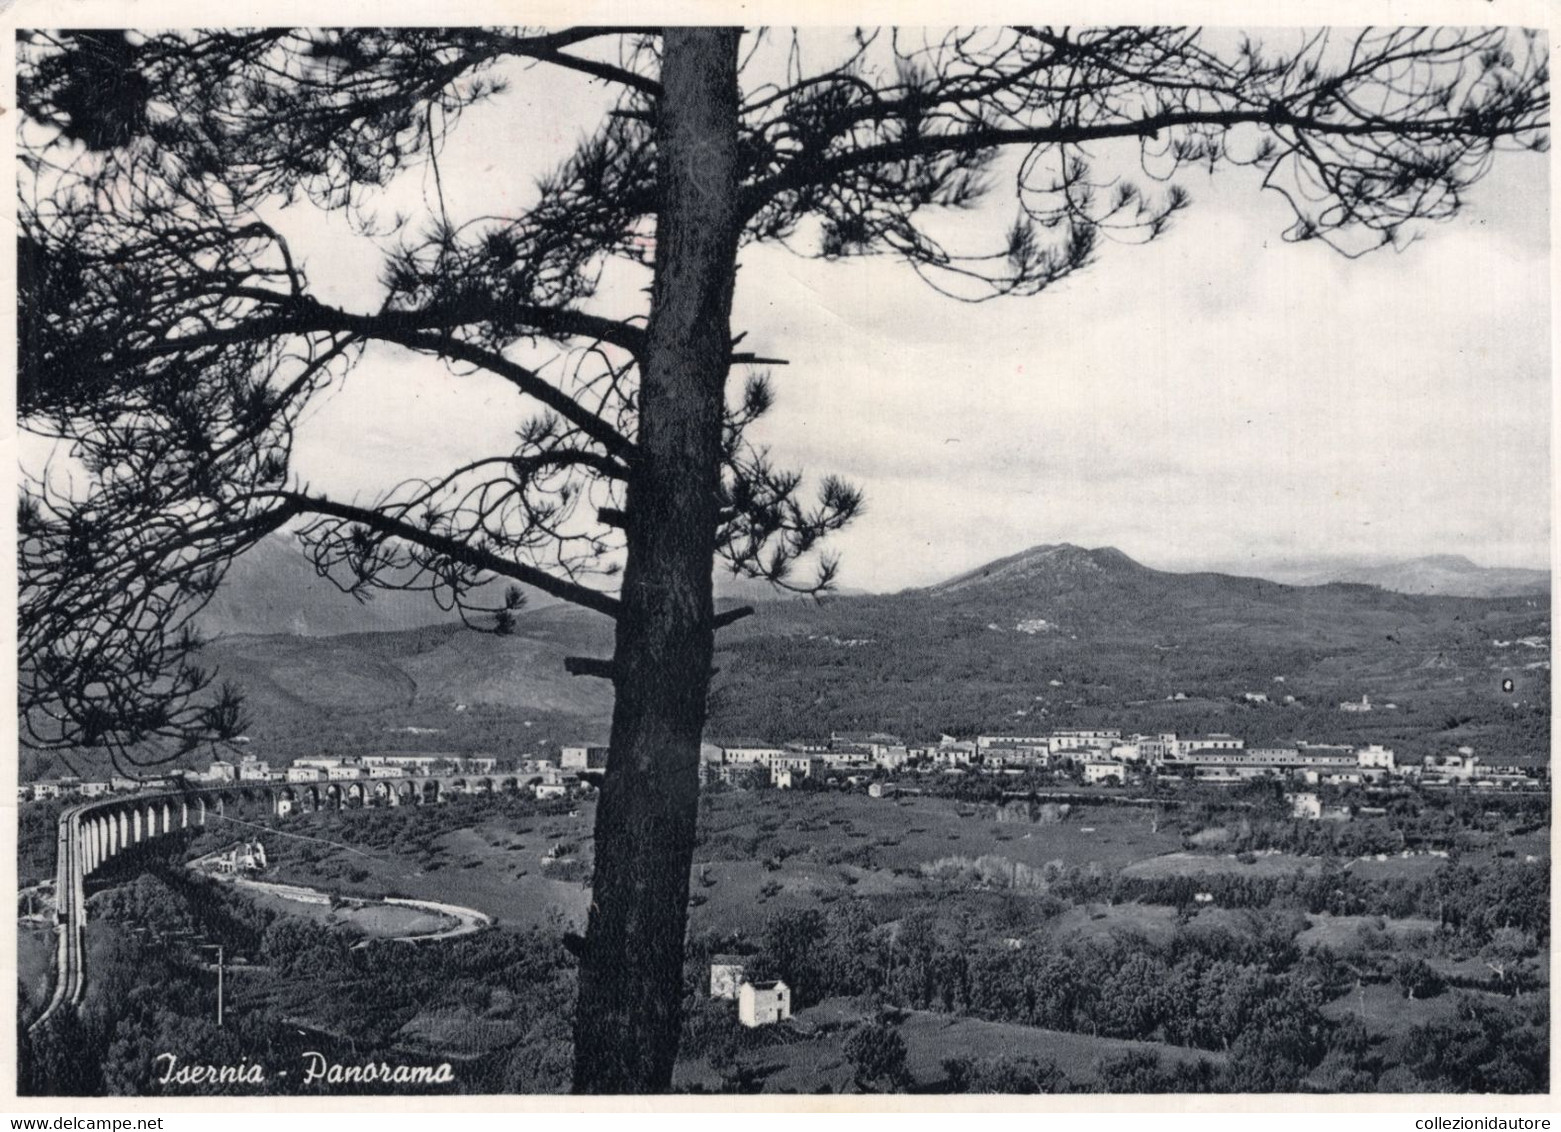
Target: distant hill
{"type": "Point", "coordinates": [274, 588]}
{"type": "Point", "coordinates": [1449, 575]}
{"type": "Point", "coordinates": [1050, 568]}
{"type": "Point", "coordinates": [1060, 634]}
{"type": "Point", "coordinates": [434, 668]}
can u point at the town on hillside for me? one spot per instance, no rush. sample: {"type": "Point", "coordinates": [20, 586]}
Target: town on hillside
{"type": "Point", "coordinates": [878, 762]}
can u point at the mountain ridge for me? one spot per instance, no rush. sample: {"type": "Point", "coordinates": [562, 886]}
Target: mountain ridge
{"type": "Point", "coordinates": [1055, 635]}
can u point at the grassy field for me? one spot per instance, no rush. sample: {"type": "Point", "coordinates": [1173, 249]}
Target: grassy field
{"type": "Point", "coordinates": [759, 854]}
{"type": "Point", "coordinates": [1384, 1010]}
{"type": "Point", "coordinates": [497, 865]}
{"type": "Point", "coordinates": [1098, 922]}
{"type": "Point", "coordinates": [773, 851]}
{"type": "Point", "coordinates": [906, 833]}
{"type": "Point", "coordinates": [1340, 933]}
{"type": "Point", "coordinates": [374, 921]}
{"type": "Point", "coordinates": [813, 1060]}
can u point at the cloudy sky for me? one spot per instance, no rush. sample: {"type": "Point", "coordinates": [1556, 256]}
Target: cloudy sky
{"type": "Point", "coordinates": [1215, 398]}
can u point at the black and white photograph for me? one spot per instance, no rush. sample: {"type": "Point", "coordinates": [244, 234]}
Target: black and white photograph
{"type": "Point", "coordinates": [683, 560]}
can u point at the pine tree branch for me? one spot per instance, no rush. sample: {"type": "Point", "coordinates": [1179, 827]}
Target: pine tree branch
{"type": "Point", "coordinates": [548, 49]}
{"type": "Point", "coordinates": [453, 548]}
{"type": "Point", "coordinates": [806, 171]}
{"type": "Point", "coordinates": [416, 331]}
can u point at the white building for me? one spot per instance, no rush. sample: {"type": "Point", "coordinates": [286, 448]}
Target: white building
{"type": "Point", "coordinates": [794, 768]}
{"type": "Point", "coordinates": [985, 741]}
{"type": "Point", "coordinates": [954, 754]}
{"type": "Point", "coordinates": [1306, 806]}
{"type": "Point", "coordinates": [1155, 749]}
{"type": "Point", "coordinates": [1076, 739]}
{"type": "Point", "coordinates": [415, 764]}
{"type": "Point", "coordinates": [1098, 771]}
{"type": "Point", "coordinates": [247, 857]}
{"type": "Point", "coordinates": [1374, 757]}
{"type": "Point", "coordinates": [1459, 767]}
{"type": "Point", "coordinates": [891, 757]}
{"type": "Point", "coordinates": [763, 1004]}
{"type": "Point", "coordinates": [1218, 741]}
{"type": "Point", "coordinates": [749, 752]}
{"type": "Point", "coordinates": [299, 773]}
{"type": "Point", "coordinates": [1327, 756]}
{"type": "Point", "coordinates": [251, 769]}
{"type": "Point", "coordinates": [726, 978]}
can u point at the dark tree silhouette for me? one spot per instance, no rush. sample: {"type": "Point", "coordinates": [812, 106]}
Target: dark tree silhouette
{"type": "Point", "coordinates": [170, 339]}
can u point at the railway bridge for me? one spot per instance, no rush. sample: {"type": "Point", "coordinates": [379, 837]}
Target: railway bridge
{"type": "Point", "coordinates": [93, 833]}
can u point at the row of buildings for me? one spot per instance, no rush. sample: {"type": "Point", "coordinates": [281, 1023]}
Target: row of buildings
{"type": "Point", "coordinates": [1100, 756]}
{"type": "Point", "coordinates": [543, 776]}
{"type": "Point", "coordinates": [1095, 756]}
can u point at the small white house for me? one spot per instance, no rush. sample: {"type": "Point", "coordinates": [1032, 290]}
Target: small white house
{"type": "Point", "coordinates": [252, 769]}
{"type": "Point", "coordinates": [726, 978]}
{"type": "Point", "coordinates": [1306, 806]}
{"type": "Point", "coordinates": [1100, 771]}
{"type": "Point", "coordinates": [1375, 757]}
{"type": "Point", "coordinates": [763, 1004]}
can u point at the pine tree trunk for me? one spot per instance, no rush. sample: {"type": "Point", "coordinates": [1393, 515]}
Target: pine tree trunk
{"type": "Point", "coordinates": [629, 1012]}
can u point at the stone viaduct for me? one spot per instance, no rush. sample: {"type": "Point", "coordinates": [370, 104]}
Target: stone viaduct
{"type": "Point", "coordinates": [93, 833]}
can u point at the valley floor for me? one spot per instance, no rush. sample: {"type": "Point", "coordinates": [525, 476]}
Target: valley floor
{"type": "Point", "coordinates": [929, 944]}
